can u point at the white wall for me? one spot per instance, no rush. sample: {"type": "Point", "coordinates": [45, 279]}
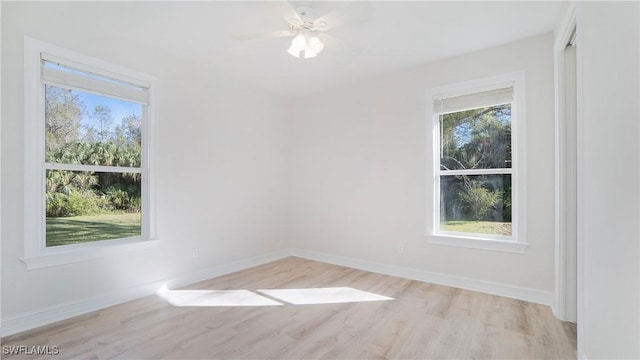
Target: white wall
{"type": "Point", "coordinates": [222, 163]}
{"type": "Point", "coordinates": [357, 170]}
{"type": "Point", "coordinates": [359, 178]}
{"type": "Point", "coordinates": [608, 173]}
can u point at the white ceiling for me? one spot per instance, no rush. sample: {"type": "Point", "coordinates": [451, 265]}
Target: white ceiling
{"type": "Point", "coordinates": [399, 35]}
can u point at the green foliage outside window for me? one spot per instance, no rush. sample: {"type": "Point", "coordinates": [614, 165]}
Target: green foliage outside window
{"type": "Point", "coordinates": [77, 136]}
{"type": "Point", "coordinates": [476, 139]}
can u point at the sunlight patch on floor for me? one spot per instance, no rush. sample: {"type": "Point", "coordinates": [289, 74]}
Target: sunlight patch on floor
{"type": "Point", "coordinates": [267, 297]}
{"type": "Point", "coordinates": [215, 298]}
{"type": "Point", "coordinates": [329, 295]}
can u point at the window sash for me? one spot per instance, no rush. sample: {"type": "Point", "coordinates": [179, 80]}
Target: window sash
{"type": "Point", "coordinates": [437, 222]}
{"type": "Point", "coordinates": [93, 168]}
{"type": "Point", "coordinates": [488, 171]}
{"type": "Point", "coordinates": [453, 104]}
{"type": "Point", "coordinates": [143, 170]}
{"type": "Point", "coordinates": [79, 78]}
{"type": "Point", "coordinates": [438, 123]}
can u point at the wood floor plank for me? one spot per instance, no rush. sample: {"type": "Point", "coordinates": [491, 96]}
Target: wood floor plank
{"type": "Point", "coordinates": [419, 321]}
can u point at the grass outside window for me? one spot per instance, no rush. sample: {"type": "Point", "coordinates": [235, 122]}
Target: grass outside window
{"type": "Point", "coordinates": [479, 227]}
{"type": "Point", "coordinates": [90, 228]}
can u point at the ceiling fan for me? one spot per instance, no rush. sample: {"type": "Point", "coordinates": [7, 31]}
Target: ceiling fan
{"type": "Point", "coordinates": [309, 29]}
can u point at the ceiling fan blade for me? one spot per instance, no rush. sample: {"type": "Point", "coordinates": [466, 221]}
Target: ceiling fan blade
{"type": "Point", "coordinates": [267, 35]}
{"type": "Point", "coordinates": [352, 13]}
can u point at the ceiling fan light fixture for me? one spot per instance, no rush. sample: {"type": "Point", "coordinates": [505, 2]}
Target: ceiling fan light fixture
{"type": "Point", "coordinates": [315, 44]}
{"type": "Point", "coordinates": [293, 51]}
{"type": "Point", "coordinates": [298, 44]}
{"type": "Point", "coordinates": [305, 41]}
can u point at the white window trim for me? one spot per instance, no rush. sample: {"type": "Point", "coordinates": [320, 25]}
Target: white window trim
{"type": "Point", "coordinates": [36, 254]}
{"type": "Point", "coordinates": [517, 243]}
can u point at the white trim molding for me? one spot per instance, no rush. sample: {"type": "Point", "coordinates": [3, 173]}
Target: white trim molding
{"type": "Point", "coordinates": [467, 241]}
{"type": "Point", "coordinates": [30, 320]}
{"type": "Point", "coordinates": [517, 242]}
{"type": "Point", "coordinates": [565, 299]}
{"type": "Point", "coordinates": [484, 286]}
{"type": "Point", "coordinates": [36, 253]}
{"type": "Point", "coordinates": [85, 252]}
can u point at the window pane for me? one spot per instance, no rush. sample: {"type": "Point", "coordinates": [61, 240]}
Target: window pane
{"type": "Point", "coordinates": [91, 206]}
{"type": "Point", "coordinates": [89, 129]}
{"type": "Point", "coordinates": [476, 139]}
{"type": "Point", "coordinates": [476, 204]}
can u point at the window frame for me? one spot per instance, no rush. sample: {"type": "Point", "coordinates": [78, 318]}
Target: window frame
{"type": "Point", "coordinates": [516, 243]}
{"type": "Point", "coordinates": [36, 253]}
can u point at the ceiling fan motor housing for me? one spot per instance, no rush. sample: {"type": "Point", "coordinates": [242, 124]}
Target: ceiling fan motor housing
{"type": "Point", "coordinates": [306, 20]}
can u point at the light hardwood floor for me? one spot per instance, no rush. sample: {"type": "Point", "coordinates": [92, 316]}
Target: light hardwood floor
{"type": "Point", "coordinates": [423, 321]}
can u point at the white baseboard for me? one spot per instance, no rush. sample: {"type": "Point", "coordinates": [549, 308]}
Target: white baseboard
{"type": "Point", "coordinates": [494, 288]}
{"type": "Point", "coordinates": [27, 321]}
{"type": "Point", "coordinates": [41, 317]}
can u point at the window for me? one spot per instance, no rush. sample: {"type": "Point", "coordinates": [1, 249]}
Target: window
{"type": "Point", "coordinates": [477, 199]}
{"type": "Point", "coordinates": [87, 157]}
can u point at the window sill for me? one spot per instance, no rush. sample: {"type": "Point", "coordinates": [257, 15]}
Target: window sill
{"type": "Point", "coordinates": [478, 243]}
{"type": "Point", "coordinates": [77, 253]}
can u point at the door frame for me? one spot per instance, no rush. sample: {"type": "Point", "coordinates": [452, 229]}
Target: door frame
{"type": "Point", "coordinates": [566, 276]}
